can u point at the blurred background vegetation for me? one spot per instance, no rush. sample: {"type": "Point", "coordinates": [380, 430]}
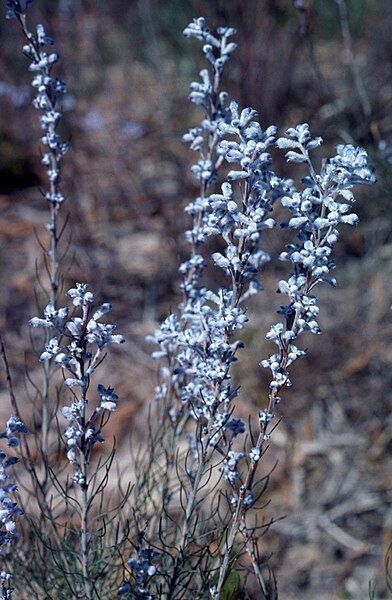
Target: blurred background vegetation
{"type": "Point", "coordinates": [127, 66]}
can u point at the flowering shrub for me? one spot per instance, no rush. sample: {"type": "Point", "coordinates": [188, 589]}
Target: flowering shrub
{"type": "Point", "coordinates": [190, 517]}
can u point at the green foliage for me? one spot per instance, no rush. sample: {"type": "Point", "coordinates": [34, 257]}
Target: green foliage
{"type": "Point", "coordinates": [233, 590]}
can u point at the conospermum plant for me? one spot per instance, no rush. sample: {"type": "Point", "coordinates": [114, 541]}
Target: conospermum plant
{"type": "Point", "coordinates": [194, 515]}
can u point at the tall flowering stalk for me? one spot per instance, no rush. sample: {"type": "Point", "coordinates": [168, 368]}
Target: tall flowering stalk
{"type": "Point", "coordinates": [199, 344]}
{"type": "Point", "coordinates": [76, 343]}
{"type": "Point", "coordinates": [170, 337]}
{"type": "Point", "coordinates": [317, 212]}
{"type": "Point", "coordinates": [203, 139]}
{"type": "Point", "coordinates": [49, 90]}
{"type": "Point", "coordinates": [78, 348]}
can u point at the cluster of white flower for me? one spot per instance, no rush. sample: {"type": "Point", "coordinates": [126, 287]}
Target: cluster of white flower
{"type": "Point", "coordinates": [316, 212]}
{"type": "Point", "coordinates": [78, 348]}
{"type": "Point", "coordinates": [48, 91]}
{"type": "Point", "coordinates": [184, 334]}
{"type": "Point", "coordinates": [198, 344]}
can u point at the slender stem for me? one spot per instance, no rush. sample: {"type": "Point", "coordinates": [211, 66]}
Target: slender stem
{"type": "Point", "coordinates": [85, 537]}
{"type": "Point", "coordinates": [84, 459]}
{"type": "Point", "coordinates": [52, 253]}
{"type": "Point", "coordinates": [250, 548]}
{"type": "Point", "coordinates": [185, 528]}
